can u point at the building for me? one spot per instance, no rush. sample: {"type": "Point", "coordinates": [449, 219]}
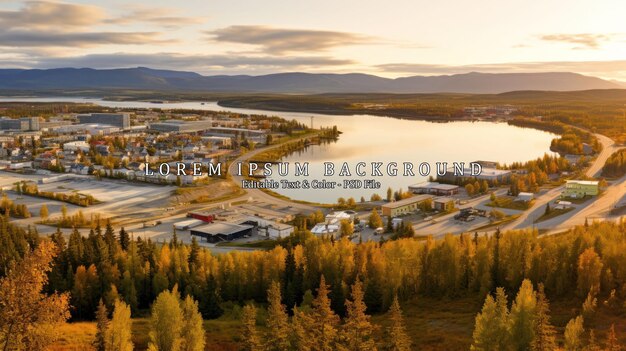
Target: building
{"type": "Point", "coordinates": [223, 231]}
{"type": "Point", "coordinates": [23, 124]}
{"type": "Point", "coordinates": [178, 126]}
{"type": "Point", "coordinates": [525, 197]}
{"type": "Point", "coordinates": [76, 145]}
{"type": "Point", "coordinates": [405, 206]}
{"type": "Point", "coordinates": [488, 174]}
{"type": "Point", "coordinates": [434, 188]}
{"type": "Point", "coordinates": [443, 204]}
{"type": "Point", "coordinates": [581, 188]}
{"type": "Point", "coordinates": [120, 120]}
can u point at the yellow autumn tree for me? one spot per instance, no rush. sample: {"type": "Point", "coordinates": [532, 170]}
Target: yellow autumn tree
{"type": "Point", "coordinates": [28, 317]}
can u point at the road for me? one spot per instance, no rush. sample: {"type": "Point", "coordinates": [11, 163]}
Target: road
{"type": "Point", "coordinates": [260, 195]}
{"type": "Point", "coordinates": [600, 204]}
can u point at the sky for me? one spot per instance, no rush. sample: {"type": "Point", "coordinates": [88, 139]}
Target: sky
{"type": "Point", "coordinates": [391, 38]}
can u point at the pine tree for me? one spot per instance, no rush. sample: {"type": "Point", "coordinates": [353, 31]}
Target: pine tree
{"type": "Point", "coordinates": [492, 323]}
{"type": "Point", "coordinates": [301, 337]}
{"type": "Point", "coordinates": [396, 337]}
{"type": "Point", "coordinates": [124, 239]}
{"type": "Point", "coordinates": [102, 325]}
{"type": "Point", "coordinates": [194, 251]}
{"type": "Point", "coordinates": [522, 317]}
{"type": "Point", "coordinates": [193, 336]}
{"type": "Point", "coordinates": [544, 331]}
{"type": "Point", "coordinates": [251, 340]}
{"type": "Point", "coordinates": [166, 322]}
{"type": "Point", "coordinates": [611, 340]}
{"type": "Point", "coordinates": [357, 329]}
{"type": "Point", "coordinates": [325, 321]}
{"type": "Point", "coordinates": [573, 334]}
{"type": "Point", "coordinates": [118, 335]}
{"type": "Point", "coordinates": [277, 336]}
{"type": "Point", "coordinates": [593, 343]}
{"type": "Point", "coordinates": [373, 296]}
{"type": "Point", "coordinates": [210, 300]}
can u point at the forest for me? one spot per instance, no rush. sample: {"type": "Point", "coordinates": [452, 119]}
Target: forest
{"type": "Point", "coordinates": [517, 274]}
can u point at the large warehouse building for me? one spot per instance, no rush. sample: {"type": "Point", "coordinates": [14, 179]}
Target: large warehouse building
{"type": "Point", "coordinates": [178, 126]}
{"type": "Point", "coordinates": [434, 188]}
{"type": "Point", "coordinates": [223, 231]}
{"type": "Point", "coordinates": [121, 120]}
{"type": "Point", "coordinates": [581, 188]}
{"type": "Point", "coordinates": [405, 206]}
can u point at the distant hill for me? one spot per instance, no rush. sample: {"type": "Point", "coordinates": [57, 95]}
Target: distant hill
{"type": "Point", "coordinates": [152, 79]}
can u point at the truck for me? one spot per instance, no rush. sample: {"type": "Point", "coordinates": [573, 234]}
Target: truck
{"type": "Point", "coordinates": [205, 217]}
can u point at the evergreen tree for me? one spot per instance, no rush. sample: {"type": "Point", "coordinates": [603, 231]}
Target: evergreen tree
{"type": "Point", "coordinates": [194, 251]}
{"type": "Point", "coordinates": [337, 297]}
{"type": "Point", "coordinates": [301, 337]}
{"type": "Point", "coordinates": [522, 317]}
{"type": "Point", "coordinates": [491, 330]}
{"type": "Point", "coordinates": [544, 331]}
{"type": "Point", "coordinates": [102, 325]}
{"type": "Point", "coordinates": [373, 297]}
{"type": "Point", "coordinates": [277, 336]}
{"type": "Point", "coordinates": [210, 300]}
{"type": "Point", "coordinates": [573, 334]}
{"type": "Point", "coordinates": [357, 329]}
{"type": "Point", "coordinates": [118, 335]}
{"type": "Point", "coordinates": [124, 239]}
{"type": "Point", "coordinates": [193, 336]}
{"type": "Point", "coordinates": [593, 343]}
{"type": "Point", "coordinates": [325, 321]}
{"type": "Point", "coordinates": [611, 340]}
{"type": "Point", "coordinates": [396, 337]}
{"type": "Point", "coordinates": [251, 340]}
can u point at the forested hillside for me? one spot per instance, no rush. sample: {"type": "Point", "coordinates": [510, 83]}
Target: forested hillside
{"type": "Point", "coordinates": [341, 281]}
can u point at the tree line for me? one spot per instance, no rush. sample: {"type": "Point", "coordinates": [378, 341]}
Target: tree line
{"type": "Point", "coordinates": [112, 266]}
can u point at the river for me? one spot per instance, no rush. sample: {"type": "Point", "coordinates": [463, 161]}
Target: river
{"type": "Point", "coordinates": [368, 138]}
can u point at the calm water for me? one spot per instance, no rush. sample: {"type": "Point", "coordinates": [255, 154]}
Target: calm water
{"type": "Point", "coordinates": [369, 138]}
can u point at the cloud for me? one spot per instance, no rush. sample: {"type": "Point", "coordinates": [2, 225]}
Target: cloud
{"type": "Point", "coordinates": [582, 40]}
{"type": "Point", "coordinates": [40, 38]}
{"type": "Point", "coordinates": [45, 14]}
{"type": "Point", "coordinates": [199, 63]}
{"type": "Point", "coordinates": [159, 16]}
{"type": "Point", "coordinates": [279, 40]}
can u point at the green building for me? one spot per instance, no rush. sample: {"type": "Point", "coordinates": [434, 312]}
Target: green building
{"type": "Point", "coordinates": [581, 188]}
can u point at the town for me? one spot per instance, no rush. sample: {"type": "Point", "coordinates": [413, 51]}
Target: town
{"type": "Point", "coordinates": [154, 172]}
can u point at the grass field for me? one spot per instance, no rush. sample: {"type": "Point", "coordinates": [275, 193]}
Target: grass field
{"type": "Point", "coordinates": [510, 203]}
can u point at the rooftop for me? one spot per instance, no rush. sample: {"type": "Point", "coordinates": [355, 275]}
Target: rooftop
{"type": "Point", "coordinates": [222, 228]}
{"type": "Point", "coordinates": [434, 185]}
{"type": "Point", "coordinates": [583, 182]}
{"type": "Point", "coordinates": [410, 200]}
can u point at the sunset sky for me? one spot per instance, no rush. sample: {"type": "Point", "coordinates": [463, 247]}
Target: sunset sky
{"type": "Point", "coordinates": [387, 38]}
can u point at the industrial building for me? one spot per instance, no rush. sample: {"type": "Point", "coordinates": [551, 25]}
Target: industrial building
{"type": "Point", "coordinates": [120, 120]}
{"type": "Point", "coordinates": [405, 206]}
{"type": "Point", "coordinates": [178, 126]}
{"type": "Point", "coordinates": [488, 174]}
{"type": "Point", "coordinates": [223, 231]}
{"type": "Point", "coordinates": [580, 188]}
{"type": "Point", "coordinates": [434, 188]}
{"type": "Point", "coordinates": [443, 204]}
{"type": "Point", "coordinates": [22, 124]}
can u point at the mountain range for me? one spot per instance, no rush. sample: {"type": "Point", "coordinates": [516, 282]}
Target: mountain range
{"type": "Point", "coordinates": [153, 79]}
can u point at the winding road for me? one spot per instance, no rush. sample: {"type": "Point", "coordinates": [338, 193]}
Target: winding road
{"type": "Point", "coordinates": [597, 206]}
